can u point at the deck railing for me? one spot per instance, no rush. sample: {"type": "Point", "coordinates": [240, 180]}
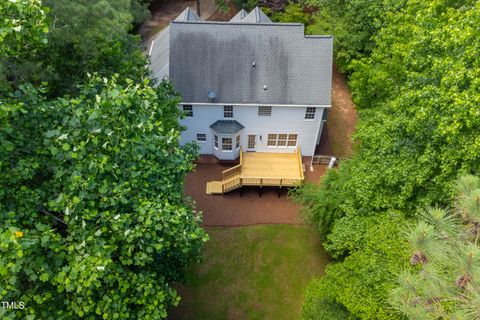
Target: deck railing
{"type": "Point", "coordinates": [227, 174]}
{"type": "Point", "coordinates": [300, 166]}
{"type": "Point", "coordinates": [232, 178]}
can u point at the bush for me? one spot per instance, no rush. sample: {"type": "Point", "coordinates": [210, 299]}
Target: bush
{"type": "Point", "coordinates": [318, 306]}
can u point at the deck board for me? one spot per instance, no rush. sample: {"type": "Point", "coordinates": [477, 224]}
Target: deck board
{"type": "Point", "coordinates": [262, 169]}
{"type": "Point", "coordinates": [214, 187]}
{"type": "Point", "coordinates": [270, 165]}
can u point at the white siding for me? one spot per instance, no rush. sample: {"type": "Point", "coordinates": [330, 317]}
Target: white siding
{"type": "Point", "coordinates": [283, 120]}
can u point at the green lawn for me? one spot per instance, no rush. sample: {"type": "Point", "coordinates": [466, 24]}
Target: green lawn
{"type": "Point", "coordinates": [254, 272]}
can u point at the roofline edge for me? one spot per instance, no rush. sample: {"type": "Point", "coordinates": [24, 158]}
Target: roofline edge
{"type": "Point", "coordinates": [255, 104]}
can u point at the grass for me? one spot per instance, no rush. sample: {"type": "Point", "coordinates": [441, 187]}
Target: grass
{"type": "Point", "coordinates": [254, 272]}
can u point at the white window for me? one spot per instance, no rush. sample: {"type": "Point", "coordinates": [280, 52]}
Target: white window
{"type": "Point", "coordinates": [201, 137]}
{"type": "Point", "coordinates": [215, 142]}
{"type": "Point", "coordinates": [264, 111]}
{"type": "Point", "coordinates": [272, 140]}
{"type": "Point", "coordinates": [237, 142]}
{"type": "Point", "coordinates": [310, 113]}
{"type": "Point", "coordinates": [226, 144]}
{"type": "Point", "coordinates": [228, 111]}
{"type": "Point", "coordinates": [282, 140]}
{"type": "Point", "coordinates": [188, 109]}
{"type": "Point", "coordinates": [292, 140]}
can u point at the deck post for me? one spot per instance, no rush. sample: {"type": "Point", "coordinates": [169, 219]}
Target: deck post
{"type": "Point", "coordinates": [241, 192]}
{"type": "Point", "coordinates": [279, 191]}
{"type": "Point", "coordinates": [260, 192]}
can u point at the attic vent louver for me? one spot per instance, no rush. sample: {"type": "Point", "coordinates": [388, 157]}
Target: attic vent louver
{"type": "Point", "coordinates": [211, 95]}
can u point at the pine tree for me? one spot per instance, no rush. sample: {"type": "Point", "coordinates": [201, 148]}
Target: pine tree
{"type": "Point", "coordinates": [444, 282]}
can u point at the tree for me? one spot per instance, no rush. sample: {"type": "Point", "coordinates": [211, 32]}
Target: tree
{"type": "Point", "coordinates": [94, 219]}
{"type": "Point", "coordinates": [84, 37]}
{"type": "Point", "coordinates": [417, 94]}
{"type": "Point", "coordinates": [446, 255]}
{"type": "Point", "coordinates": [353, 24]}
{"type": "Point", "coordinates": [22, 26]}
{"type": "Point", "coordinates": [23, 29]}
{"type": "Point", "coordinates": [366, 255]}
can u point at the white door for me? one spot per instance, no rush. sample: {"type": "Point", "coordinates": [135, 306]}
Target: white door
{"type": "Point", "coordinates": [251, 142]}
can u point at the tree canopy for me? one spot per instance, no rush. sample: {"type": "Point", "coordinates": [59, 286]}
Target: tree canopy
{"type": "Point", "coordinates": [417, 92]}
{"type": "Point", "coordinates": [446, 258]}
{"type": "Point", "coordinates": [94, 220]}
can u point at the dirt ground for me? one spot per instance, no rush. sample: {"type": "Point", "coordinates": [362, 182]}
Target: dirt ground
{"type": "Point", "coordinates": [342, 118]}
{"type": "Point", "coordinates": [232, 209]}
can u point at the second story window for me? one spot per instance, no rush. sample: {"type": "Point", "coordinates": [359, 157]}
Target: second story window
{"type": "Point", "coordinates": [228, 111]}
{"type": "Point", "coordinates": [310, 113]}
{"type": "Point", "coordinates": [264, 111]}
{"type": "Point", "coordinates": [188, 109]}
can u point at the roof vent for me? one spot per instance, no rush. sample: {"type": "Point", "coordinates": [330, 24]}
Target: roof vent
{"type": "Point", "coordinates": [211, 95]}
{"type": "Point", "coordinates": [265, 87]}
{"type": "Point", "coordinates": [253, 64]}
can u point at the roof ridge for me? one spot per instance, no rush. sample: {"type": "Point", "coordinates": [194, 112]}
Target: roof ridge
{"type": "Point", "coordinates": [257, 14]}
{"type": "Point", "coordinates": [284, 24]}
{"type": "Point", "coordinates": [188, 15]}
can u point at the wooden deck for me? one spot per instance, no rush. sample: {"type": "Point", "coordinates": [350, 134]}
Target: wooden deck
{"type": "Point", "coordinates": [261, 169]}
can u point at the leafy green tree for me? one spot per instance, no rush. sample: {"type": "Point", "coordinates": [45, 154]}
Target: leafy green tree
{"type": "Point", "coordinates": [22, 24]}
{"type": "Point", "coordinates": [319, 307]}
{"type": "Point", "coordinates": [366, 253]}
{"type": "Point", "coordinates": [354, 24]}
{"type": "Point", "coordinates": [292, 12]}
{"type": "Point", "coordinates": [85, 37]}
{"type": "Point", "coordinates": [446, 254]}
{"type": "Point", "coordinates": [417, 94]}
{"type": "Point", "coordinates": [94, 222]}
{"type": "Point", "coordinates": [23, 29]}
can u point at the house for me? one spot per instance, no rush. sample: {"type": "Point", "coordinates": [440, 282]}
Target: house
{"type": "Point", "coordinates": [247, 84]}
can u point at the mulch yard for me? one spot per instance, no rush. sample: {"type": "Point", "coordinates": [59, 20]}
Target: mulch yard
{"type": "Point", "coordinates": [233, 210]}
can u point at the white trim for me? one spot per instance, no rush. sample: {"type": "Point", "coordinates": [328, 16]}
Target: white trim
{"type": "Point", "coordinates": [151, 48]}
{"type": "Point", "coordinates": [256, 104]}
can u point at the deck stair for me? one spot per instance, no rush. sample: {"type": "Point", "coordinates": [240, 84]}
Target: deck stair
{"type": "Point", "coordinates": [261, 169]}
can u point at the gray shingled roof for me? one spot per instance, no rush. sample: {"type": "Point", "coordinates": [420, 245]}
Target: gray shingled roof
{"type": "Point", "coordinates": [227, 126]}
{"type": "Point", "coordinates": [187, 15]}
{"type": "Point", "coordinates": [256, 16]}
{"type": "Point", "coordinates": [239, 16]}
{"type": "Point", "coordinates": [290, 68]}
